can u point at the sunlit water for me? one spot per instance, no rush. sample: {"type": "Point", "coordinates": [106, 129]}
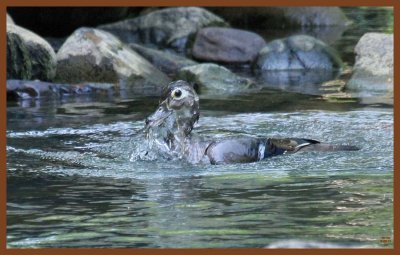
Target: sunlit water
{"type": "Point", "coordinates": [72, 180]}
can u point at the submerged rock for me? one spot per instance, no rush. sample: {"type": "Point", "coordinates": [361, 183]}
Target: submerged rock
{"type": "Point", "coordinates": [298, 52]}
{"type": "Point", "coordinates": [9, 19]}
{"type": "Point", "coordinates": [227, 45]}
{"type": "Point", "coordinates": [29, 56]}
{"type": "Point", "coordinates": [213, 78]}
{"type": "Point", "coordinates": [373, 69]}
{"type": "Point", "coordinates": [166, 62]}
{"type": "Point", "coordinates": [98, 56]}
{"type": "Point", "coordinates": [165, 28]}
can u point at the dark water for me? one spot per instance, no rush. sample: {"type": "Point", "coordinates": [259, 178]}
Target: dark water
{"type": "Point", "coordinates": [72, 180]}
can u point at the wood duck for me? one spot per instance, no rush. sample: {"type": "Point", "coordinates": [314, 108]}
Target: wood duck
{"type": "Point", "coordinates": [169, 130]}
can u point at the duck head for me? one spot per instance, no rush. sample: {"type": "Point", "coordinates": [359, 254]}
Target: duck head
{"type": "Point", "coordinates": [177, 111]}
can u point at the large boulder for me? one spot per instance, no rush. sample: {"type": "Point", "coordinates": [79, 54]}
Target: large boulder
{"type": "Point", "coordinates": [212, 78]}
{"type": "Point", "coordinates": [165, 28]}
{"type": "Point", "coordinates": [373, 69]}
{"type": "Point", "coordinates": [278, 17]}
{"type": "Point", "coordinates": [165, 61]}
{"type": "Point", "coordinates": [28, 55]}
{"type": "Point", "coordinates": [227, 45]}
{"type": "Point", "coordinates": [98, 56]}
{"type": "Point", "coordinates": [298, 52]}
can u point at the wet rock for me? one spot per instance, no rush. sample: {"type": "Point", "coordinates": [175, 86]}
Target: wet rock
{"type": "Point", "coordinates": [28, 89]}
{"type": "Point", "coordinates": [165, 28]}
{"type": "Point", "coordinates": [92, 55]}
{"type": "Point", "coordinates": [227, 45]}
{"type": "Point", "coordinates": [28, 55]}
{"type": "Point", "coordinates": [281, 17]}
{"type": "Point", "coordinates": [166, 62]}
{"type": "Point", "coordinates": [61, 22]}
{"type": "Point", "coordinates": [299, 52]}
{"type": "Point", "coordinates": [373, 69]}
{"type": "Point", "coordinates": [375, 53]}
{"type": "Point", "coordinates": [9, 19]}
{"type": "Point", "coordinates": [212, 78]}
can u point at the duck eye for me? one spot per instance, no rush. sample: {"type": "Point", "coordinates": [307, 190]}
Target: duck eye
{"type": "Point", "coordinates": [177, 93]}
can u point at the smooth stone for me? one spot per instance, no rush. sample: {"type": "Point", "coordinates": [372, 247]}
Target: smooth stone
{"type": "Point", "coordinates": [373, 68]}
{"type": "Point", "coordinates": [165, 28]}
{"type": "Point", "coordinates": [29, 56]}
{"type": "Point", "coordinates": [212, 78]}
{"type": "Point", "coordinates": [227, 45]}
{"type": "Point", "coordinates": [298, 52]}
{"type": "Point", "coordinates": [93, 55]}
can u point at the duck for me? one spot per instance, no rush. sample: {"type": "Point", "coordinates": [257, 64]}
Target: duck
{"type": "Point", "coordinates": [169, 131]}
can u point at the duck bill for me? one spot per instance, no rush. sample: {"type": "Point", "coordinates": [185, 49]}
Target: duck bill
{"type": "Point", "coordinates": [159, 116]}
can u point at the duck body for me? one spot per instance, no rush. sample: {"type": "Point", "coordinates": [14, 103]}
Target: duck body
{"type": "Point", "coordinates": [169, 130]}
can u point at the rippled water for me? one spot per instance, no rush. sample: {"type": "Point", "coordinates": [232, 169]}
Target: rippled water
{"type": "Point", "coordinates": [71, 181]}
{"type": "Point", "coordinates": [76, 187]}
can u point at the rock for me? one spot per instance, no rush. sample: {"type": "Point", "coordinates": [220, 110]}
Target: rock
{"type": "Point", "coordinates": [166, 62]}
{"type": "Point", "coordinates": [374, 53]}
{"type": "Point", "coordinates": [282, 17]}
{"type": "Point", "coordinates": [9, 19]}
{"type": "Point", "coordinates": [373, 69]}
{"type": "Point", "coordinates": [213, 78]}
{"type": "Point", "coordinates": [298, 52]}
{"type": "Point", "coordinates": [27, 89]}
{"type": "Point", "coordinates": [98, 56]}
{"type": "Point", "coordinates": [227, 45]}
{"type": "Point", "coordinates": [61, 22]}
{"type": "Point", "coordinates": [28, 55]}
{"type": "Point", "coordinates": [165, 28]}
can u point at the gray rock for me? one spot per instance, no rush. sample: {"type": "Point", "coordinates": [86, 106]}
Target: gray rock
{"type": "Point", "coordinates": [9, 19]}
{"type": "Point", "coordinates": [299, 52]}
{"type": "Point", "coordinates": [278, 17]}
{"type": "Point", "coordinates": [227, 45]}
{"type": "Point", "coordinates": [165, 28]}
{"type": "Point", "coordinates": [374, 53]}
{"type": "Point", "coordinates": [98, 56]}
{"type": "Point", "coordinates": [28, 55]}
{"type": "Point", "coordinates": [373, 69]}
{"type": "Point", "coordinates": [166, 62]}
{"type": "Point", "coordinates": [213, 78]}
{"type": "Point", "coordinates": [28, 89]}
